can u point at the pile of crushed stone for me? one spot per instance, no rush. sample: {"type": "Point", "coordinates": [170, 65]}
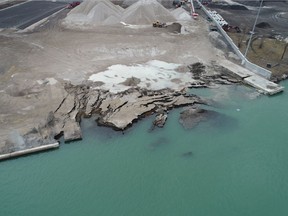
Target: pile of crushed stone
{"type": "Point", "coordinates": [95, 12]}
{"type": "Point", "coordinates": [146, 12]}
{"type": "Point", "coordinates": [181, 14]}
{"type": "Point", "coordinates": [130, 2]}
{"type": "Point", "coordinates": [104, 12]}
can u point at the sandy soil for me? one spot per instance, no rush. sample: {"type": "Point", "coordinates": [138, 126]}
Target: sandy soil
{"type": "Point", "coordinates": [34, 65]}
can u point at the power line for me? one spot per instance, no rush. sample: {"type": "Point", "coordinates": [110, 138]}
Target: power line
{"type": "Point", "coordinates": [250, 39]}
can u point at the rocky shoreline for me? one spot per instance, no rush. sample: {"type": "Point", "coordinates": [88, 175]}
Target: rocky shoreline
{"type": "Point", "coordinates": [116, 110]}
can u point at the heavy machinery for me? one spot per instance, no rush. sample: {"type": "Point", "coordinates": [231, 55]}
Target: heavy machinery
{"type": "Point", "coordinates": [193, 13]}
{"type": "Point", "coordinates": [229, 28]}
{"type": "Point", "coordinates": [158, 24]}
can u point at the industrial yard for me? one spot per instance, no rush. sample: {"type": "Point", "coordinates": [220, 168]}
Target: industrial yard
{"type": "Point", "coordinates": [269, 41]}
{"type": "Point", "coordinates": [46, 65]}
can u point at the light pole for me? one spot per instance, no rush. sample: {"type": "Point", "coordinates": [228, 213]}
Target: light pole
{"type": "Point", "coordinates": [249, 42]}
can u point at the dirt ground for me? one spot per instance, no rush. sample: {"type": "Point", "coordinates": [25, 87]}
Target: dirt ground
{"type": "Point", "coordinates": [36, 63]}
{"type": "Point", "coordinates": [272, 38]}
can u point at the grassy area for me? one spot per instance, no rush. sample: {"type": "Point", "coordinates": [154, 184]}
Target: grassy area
{"type": "Point", "coordinates": [264, 51]}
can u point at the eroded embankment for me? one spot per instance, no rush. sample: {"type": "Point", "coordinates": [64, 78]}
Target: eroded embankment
{"type": "Point", "coordinates": [117, 110]}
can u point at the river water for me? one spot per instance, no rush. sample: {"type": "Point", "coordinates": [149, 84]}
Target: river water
{"type": "Point", "coordinates": [233, 165]}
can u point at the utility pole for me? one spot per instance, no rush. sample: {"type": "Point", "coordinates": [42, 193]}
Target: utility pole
{"type": "Point", "coordinates": [251, 35]}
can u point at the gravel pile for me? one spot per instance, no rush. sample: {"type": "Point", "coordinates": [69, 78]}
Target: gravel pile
{"type": "Point", "coordinates": [181, 14]}
{"type": "Point", "coordinates": [146, 12]}
{"type": "Point", "coordinates": [95, 12]}
{"type": "Point", "coordinates": [130, 2]}
{"type": "Point", "coordinates": [104, 12]}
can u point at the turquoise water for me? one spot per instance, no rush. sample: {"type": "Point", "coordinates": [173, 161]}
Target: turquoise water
{"type": "Point", "coordinates": [237, 166]}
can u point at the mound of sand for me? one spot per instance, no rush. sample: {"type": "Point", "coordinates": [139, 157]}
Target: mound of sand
{"type": "Point", "coordinates": [95, 12]}
{"type": "Point", "coordinates": [181, 14]}
{"type": "Point", "coordinates": [146, 12]}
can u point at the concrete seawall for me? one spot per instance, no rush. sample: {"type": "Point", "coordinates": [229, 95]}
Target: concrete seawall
{"type": "Point", "coordinates": [247, 64]}
{"type": "Point", "coordinates": [250, 73]}
{"type": "Point", "coordinates": [29, 151]}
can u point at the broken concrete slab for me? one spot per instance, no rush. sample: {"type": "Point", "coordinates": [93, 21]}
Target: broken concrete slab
{"type": "Point", "coordinates": [264, 85]}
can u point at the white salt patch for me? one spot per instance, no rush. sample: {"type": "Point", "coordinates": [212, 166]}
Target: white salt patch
{"type": "Point", "coordinates": [154, 75]}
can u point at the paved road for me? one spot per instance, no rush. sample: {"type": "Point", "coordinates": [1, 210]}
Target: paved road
{"type": "Point", "coordinates": [26, 14]}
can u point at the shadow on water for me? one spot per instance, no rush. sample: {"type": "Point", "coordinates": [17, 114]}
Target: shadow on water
{"type": "Point", "coordinates": [223, 122]}
{"type": "Point", "coordinates": [188, 154]}
{"type": "Point", "coordinates": [158, 143]}
{"type": "Point", "coordinates": [226, 96]}
{"type": "Point", "coordinates": [92, 130]}
{"type": "Point", "coordinates": [208, 119]}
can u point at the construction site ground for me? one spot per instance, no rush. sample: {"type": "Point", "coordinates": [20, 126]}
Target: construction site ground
{"type": "Point", "coordinates": [37, 61]}
{"type": "Point", "coordinates": [268, 41]}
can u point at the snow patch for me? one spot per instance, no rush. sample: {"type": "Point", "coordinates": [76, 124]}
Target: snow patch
{"type": "Point", "coordinates": [103, 12]}
{"type": "Point", "coordinates": [154, 75]}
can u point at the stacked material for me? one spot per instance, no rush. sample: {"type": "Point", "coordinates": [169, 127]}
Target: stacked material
{"type": "Point", "coordinates": [104, 12]}
{"type": "Point", "coordinates": [181, 14]}
{"type": "Point", "coordinates": [146, 12]}
{"type": "Point", "coordinates": [130, 2]}
{"type": "Point", "coordinates": [95, 12]}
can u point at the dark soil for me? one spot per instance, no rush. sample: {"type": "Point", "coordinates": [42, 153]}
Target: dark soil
{"type": "Point", "coordinates": [263, 25]}
{"type": "Point", "coordinates": [228, 7]}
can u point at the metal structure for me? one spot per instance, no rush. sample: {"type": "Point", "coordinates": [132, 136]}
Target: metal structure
{"type": "Point", "coordinates": [251, 35]}
{"type": "Point", "coordinates": [248, 65]}
{"type": "Point", "coordinates": [193, 13]}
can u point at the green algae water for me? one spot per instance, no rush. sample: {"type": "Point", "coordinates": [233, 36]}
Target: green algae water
{"type": "Point", "coordinates": [234, 165]}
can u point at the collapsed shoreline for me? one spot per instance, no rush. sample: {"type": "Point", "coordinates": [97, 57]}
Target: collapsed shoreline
{"type": "Point", "coordinates": [118, 110]}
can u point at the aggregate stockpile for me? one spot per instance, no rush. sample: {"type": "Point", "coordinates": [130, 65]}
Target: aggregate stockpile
{"type": "Point", "coordinates": [104, 12]}
{"type": "Point", "coordinates": [146, 12]}
{"type": "Point", "coordinates": [94, 12]}
{"type": "Point", "coordinates": [130, 2]}
{"type": "Point", "coordinates": [181, 14]}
